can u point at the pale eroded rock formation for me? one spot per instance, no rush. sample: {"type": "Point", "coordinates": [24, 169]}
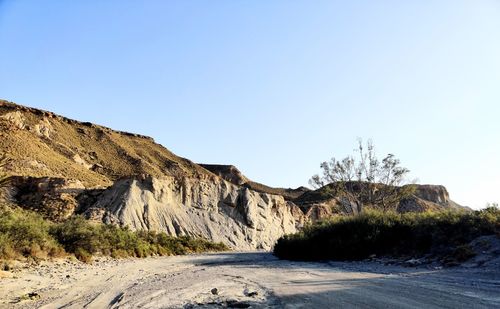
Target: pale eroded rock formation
{"type": "Point", "coordinates": [216, 210]}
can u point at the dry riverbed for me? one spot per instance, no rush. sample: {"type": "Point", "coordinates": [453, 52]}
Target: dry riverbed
{"type": "Point", "coordinates": [245, 280]}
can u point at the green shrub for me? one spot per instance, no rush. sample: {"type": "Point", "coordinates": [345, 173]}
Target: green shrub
{"type": "Point", "coordinates": [390, 234]}
{"type": "Point", "coordinates": [462, 253]}
{"type": "Point", "coordinates": [80, 235]}
{"type": "Point", "coordinates": [26, 234]}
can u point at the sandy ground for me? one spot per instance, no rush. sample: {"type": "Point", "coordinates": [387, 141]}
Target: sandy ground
{"type": "Point", "coordinates": [246, 280]}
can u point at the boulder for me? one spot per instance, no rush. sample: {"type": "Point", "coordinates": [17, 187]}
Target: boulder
{"type": "Point", "coordinates": [15, 119]}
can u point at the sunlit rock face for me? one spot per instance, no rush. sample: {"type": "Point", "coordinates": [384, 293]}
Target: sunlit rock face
{"type": "Point", "coordinates": [429, 197]}
{"type": "Point", "coordinates": [433, 193]}
{"type": "Point", "coordinates": [216, 210]}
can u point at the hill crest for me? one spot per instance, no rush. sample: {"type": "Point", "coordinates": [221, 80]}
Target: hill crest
{"type": "Point", "coordinates": [43, 144]}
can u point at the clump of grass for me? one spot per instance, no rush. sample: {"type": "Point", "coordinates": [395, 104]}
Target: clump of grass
{"type": "Point", "coordinates": [25, 234]}
{"type": "Point", "coordinates": [389, 234]}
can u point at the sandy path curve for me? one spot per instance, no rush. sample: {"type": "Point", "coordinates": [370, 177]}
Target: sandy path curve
{"type": "Point", "coordinates": [247, 280]}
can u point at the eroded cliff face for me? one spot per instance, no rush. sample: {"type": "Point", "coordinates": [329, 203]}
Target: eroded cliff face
{"type": "Point", "coordinates": [433, 193]}
{"type": "Point", "coordinates": [429, 197]}
{"type": "Point", "coordinates": [216, 210]}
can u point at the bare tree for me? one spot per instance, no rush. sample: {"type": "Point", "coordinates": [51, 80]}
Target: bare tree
{"type": "Point", "coordinates": [493, 205]}
{"type": "Point", "coordinates": [372, 181]}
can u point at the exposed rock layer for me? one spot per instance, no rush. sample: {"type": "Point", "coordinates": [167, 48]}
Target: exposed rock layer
{"type": "Point", "coordinates": [216, 210]}
{"type": "Point", "coordinates": [54, 198]}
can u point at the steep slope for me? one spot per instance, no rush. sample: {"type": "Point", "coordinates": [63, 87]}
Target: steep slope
{"type": "Point", "coordinates": [42, 144]}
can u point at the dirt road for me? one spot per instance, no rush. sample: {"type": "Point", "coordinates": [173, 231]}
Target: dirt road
{"type": "Point", "coordinates": [246, 280]}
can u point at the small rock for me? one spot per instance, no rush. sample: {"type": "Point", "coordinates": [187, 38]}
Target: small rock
{"type": "Point", "coordinates": [253, 294]}
{"type": "Point", "coordinates": [250, 294]}
{"type": "Point", "coordinates": [413, 262]}
{"type": "Point", "coordinates": [237, 304]}
{"type": "Point", "coordinates": [34, 295]}
{"type": "Point", "coordinates": [215, 291]}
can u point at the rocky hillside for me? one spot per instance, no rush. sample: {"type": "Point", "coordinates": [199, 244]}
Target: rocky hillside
{"type": "Point", "coordinates": [319, 203]}
{"type": "Point", "coordinates": [42, 144]}
{"type": "Point", "coordinates": [61, 167]}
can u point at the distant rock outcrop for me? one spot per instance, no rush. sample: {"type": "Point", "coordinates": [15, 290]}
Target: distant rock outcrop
{"type": "Point", "coordinates": [227, 172]}
{"type": "Point", "coordinates": [428, 197]}
{"type": "Point", "coordinates": [322, 202]}
{"type": "Point", "coordinates": [233, 175]}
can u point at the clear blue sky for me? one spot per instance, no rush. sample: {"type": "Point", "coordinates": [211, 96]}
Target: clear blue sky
{"type": "Point", "coordinates": [274, 87]}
